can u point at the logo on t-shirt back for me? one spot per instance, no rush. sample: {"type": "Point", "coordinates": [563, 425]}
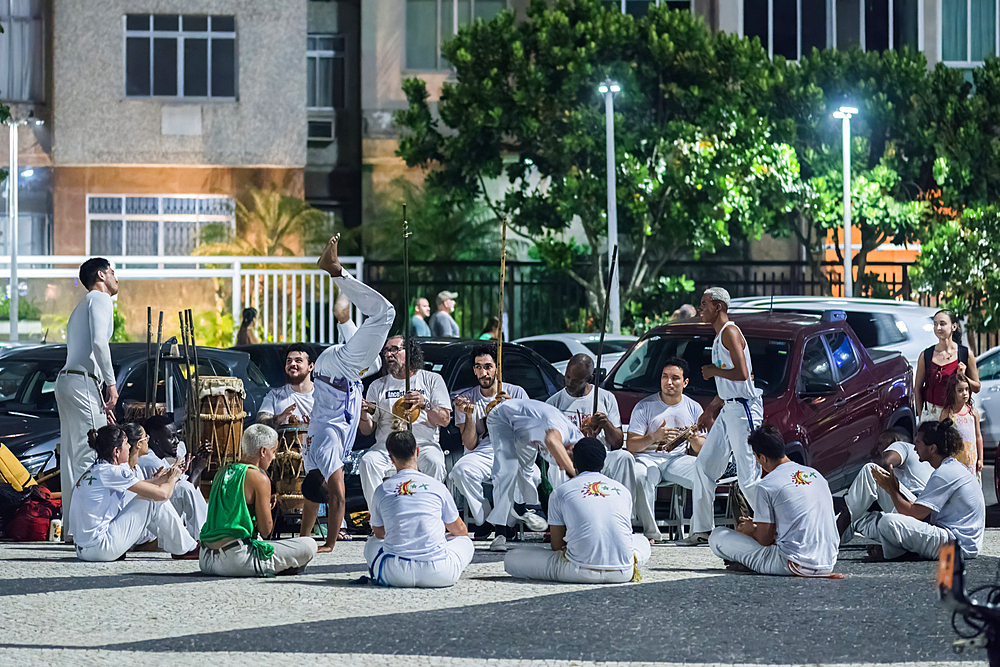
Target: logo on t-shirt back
{"type": "Point", "coordinates": [599, 489]}
{"type": "Point", "coordinates": [801, 477]}
{"type": "Point", "coordinates": [408, 488]}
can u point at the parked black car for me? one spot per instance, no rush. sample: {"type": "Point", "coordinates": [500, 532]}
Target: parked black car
{"type": "Point", "coordinates": [29, 419]}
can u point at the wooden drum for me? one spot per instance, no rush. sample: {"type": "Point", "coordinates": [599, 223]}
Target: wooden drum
{"type": "Point", "coordinates": [220, 419]}
{"type": "Point", "coordinates": [135, 411]}
{"type": "Point", "coordinates": [288, 470]}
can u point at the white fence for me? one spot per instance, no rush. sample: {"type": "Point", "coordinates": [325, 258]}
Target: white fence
{"type": "Point", "coordinates": [294, 302]}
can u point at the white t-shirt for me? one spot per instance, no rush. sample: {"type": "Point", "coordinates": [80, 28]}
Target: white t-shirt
{"type": "Point", "coordinates": [99, 497]}
{"type": "Point", "coordinates": [280, 398]}
{"type": "Point", "coordinates": [912, 472]}
{"type": "Point", "coordinates": [956, 501]}
{"type": "Point", "coordinates": [651, 412]}
{"type": "Point", "coordinates": [596, 511]}
{"type": "Point", "coordinates": [414, 509]}
{"type": "Point", "coordinates": [475, 396]}
{"type": "Point", "coordinates": [386, 390]}
{"type": "Point", "coordinates": [578, 408]}
{"type": "Point", "coordinates": [530, 419]}
{"type": "Point", "coordinates": [797, 500]}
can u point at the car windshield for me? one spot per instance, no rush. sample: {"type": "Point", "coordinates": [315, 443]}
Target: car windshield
{"type": "Point", "coordinates": [610, 346]}
{"type": "Point", "coordinates": [641, 369]}
{"type": "Point", "coordinates": [28, 386]}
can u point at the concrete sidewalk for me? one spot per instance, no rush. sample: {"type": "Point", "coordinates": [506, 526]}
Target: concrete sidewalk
{"type": "Point", "coordinates": [154, 611]}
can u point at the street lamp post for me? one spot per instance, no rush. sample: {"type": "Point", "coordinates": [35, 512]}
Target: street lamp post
{"type": "Point", "coordinates": [845, 114]}
{"type": "Point", "coordinates": [12, 217]}
{"type": "Point", "coordinates": [608, 88]}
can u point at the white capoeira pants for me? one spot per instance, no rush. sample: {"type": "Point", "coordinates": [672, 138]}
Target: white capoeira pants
{"type": "Point", "coordinates": [728, 434]}
{"type": "Point", "coordinates": [190, 504]}
{"type": "Point", "coordinates": [534, 561]}
{"type": "Point", "coordinates": [160, 518]}
{"type": "Point", "coordinates": [468, 476]}
{"type": "Point", "coordinates": [650, 471]}
{"type": "Point", "coordinates": [900, 534]}
{"type": "Point", "coordinates": [863, 492]}
{"type": "Point", "coordinates": [513, 461]}
{"type": "Point", "coordinates": [237, 559]}
{"type": "Point", "coordinates": [80, 406]}
{"type": "Point", "coordinates": [376, 465]}
{"type": "Point", "coordinates": [389, 570]}
{"type": "Point", "coordinates": [728, 544]}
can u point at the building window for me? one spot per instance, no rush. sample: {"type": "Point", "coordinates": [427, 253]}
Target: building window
{"type": "Point", "coordinates": [786, 29]}
{"type": "Point", "coordinates": [325, 71]}
{"type": "Point", "coordinates": [151, 225]}
{"type": "Point", "coordinates": [429, 23]}
{"type": "Point", "coordinates": [969, 31]}
{"type": "Point", "coordinates": [22, 51]}
{"type": "Point", "coordinates": [639, 8]}
{"type": "Point", "coordinates": [191, 55]}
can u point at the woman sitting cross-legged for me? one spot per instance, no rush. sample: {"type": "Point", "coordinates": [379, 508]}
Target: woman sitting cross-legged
{"type": "Point", "coordinates": [105, 522]}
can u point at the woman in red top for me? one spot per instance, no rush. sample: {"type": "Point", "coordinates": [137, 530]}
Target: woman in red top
{"type": "Point", "coordinates": [938, 363]}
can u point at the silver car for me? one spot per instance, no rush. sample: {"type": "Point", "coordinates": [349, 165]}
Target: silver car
{"type": "Point", "coordinates": [988, 398]}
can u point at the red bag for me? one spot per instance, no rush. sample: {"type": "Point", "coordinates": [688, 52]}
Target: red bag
{"type": "Point", "coordinates": [31, 520]}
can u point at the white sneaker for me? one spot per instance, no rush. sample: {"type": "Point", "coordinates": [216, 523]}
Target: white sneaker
{"type": "Point", "coordinates": [499, 543]}
{"type": "Point", "coordinates": [694, 540]}
{"type": "Point", "coordinates": [533, 521]}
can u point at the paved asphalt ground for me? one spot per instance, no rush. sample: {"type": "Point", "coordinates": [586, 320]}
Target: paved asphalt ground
{"type": "Point", "coordinates": [150, 610]}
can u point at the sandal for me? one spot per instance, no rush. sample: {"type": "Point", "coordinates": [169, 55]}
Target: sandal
{"type": "Point", "coordinates": [344, 536]}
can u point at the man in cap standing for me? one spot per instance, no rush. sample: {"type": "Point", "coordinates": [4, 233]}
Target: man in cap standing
{"type": "Point", "coordinates": [443, 325]}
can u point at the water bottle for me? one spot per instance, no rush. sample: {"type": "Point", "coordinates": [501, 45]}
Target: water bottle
{"type": "Point", "coordinates": [55, 530]}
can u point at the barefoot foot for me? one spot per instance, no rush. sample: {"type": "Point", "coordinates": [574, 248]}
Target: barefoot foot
{"type": "Point", "coordinates": [329, 261]}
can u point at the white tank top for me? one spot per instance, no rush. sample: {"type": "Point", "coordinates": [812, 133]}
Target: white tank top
{"type": "Point", "coordinates": [722, 359]}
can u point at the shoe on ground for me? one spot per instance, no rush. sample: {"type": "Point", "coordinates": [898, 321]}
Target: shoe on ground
{"type": "Point", "coordinates": [152, 545]}
{"type": "Point", "coordinates": [654, 538]}
{"type": "Point", "coordinates": [191, 555]}
{"type": "Point", "coordinates": [534, 520]}
{"type": "Point", "coordinates": [694, 540]}
{"type": "Point", "coordinates": [499, 544]}
{"type": "Point", "coordinates": [482, 532]}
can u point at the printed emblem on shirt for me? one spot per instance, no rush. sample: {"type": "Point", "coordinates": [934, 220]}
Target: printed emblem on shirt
{"type": "Point", "coordinates": [408, 488]}
{"type": "Point", "coordinates": [801, 477]}
{"type": "Point", "coordinates": [599, 489]}
{"type": "Point", "coordinates": [398, 393]}
{"type": "Point", "coordinates": [89, 480]}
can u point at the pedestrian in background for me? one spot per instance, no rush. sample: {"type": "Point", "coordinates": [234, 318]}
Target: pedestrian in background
{"type": "Point", "coordinates": [492, 329]}
{"type": "Point", "coordinates": [247, 335]}
{"type": "Point", "coordinates": [443, 325]}
{"type": "Point", "coordinates": [418, 323]}
{"type": "Point", "coordinates": [938, 363]}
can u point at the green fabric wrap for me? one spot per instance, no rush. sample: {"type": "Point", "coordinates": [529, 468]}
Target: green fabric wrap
{"type": "Point", "coordinates": [228, 514]}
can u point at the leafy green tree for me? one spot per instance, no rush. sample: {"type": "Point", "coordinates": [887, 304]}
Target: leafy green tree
{"type": "Point", "coordinates": [695, 158]}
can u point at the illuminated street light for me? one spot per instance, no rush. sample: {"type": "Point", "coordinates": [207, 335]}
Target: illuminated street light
{"type": "Point", "coordinates": [844, 114]}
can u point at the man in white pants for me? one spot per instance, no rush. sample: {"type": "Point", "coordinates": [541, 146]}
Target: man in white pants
{"type": "Point", "coordinates": [793, 531]}
{"type": "Point", "coordinates": [241, 514]}
{"type": "Point", "coordinates": [163, 452]}
{"type": "Point", "coordinates": [576, 401]}
{"type": "Point", "coordinates": [337, 393]}
{"type": "Point", "coordinates": [520, 430]}
{"type": "Point", "coordinates": [950, 507]}
{"type": "Point", "coordinates": [591, 524]}
{"type": "Point", "coordinates": [428, 393]}
{"type": "Point", "coordinates": [476, 464]}
{"type": "Point", "coordinates": [78, 386]}
{"type": "Point", "coordinates": [899, 456]}
{"type": "Point", "coordinates": [729, 418]}
{"type": "Point", "coordinates": [656, 422]}
{"type": "Point", "coordinates": [410, 514]}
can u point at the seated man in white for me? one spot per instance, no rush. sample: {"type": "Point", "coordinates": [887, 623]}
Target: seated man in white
{"type": "Point", "coordinates": [427, 392]}
{"type": "Point", "coordinates": [239, 515]}
{"type": "Point", "coordinates": [165, 449]}
{"type": "Point", "coordinates": [293, 401]}
{"type": "Point", "coordinates": [590, 517]}
{"type": "Point", "coordinates": [106, 523]}
{"type": "Point", "coordinates": [899, 456]}
{"type": "Point", "coordinates": [476, 464]}
{"type": "Point", "coordinates": [576, 400]}
{"type": "Point", "coordinates": [657, 423]}
{"type": "Point", "coordinates": [950, 507]}
{"type": "Point", "coordinates": [793, 531]}
{"type": "Point", "coordinates": [521, 429]}
{"type": "Point", "coordinates": [419, 540]}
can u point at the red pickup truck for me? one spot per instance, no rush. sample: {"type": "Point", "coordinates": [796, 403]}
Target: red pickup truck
{"type": "Point", "coordinates": [830, 396]}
